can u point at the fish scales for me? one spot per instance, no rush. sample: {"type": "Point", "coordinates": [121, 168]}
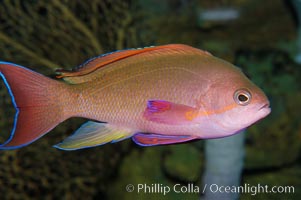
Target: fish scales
{"type": "Point", "coordinates": [158, 95]}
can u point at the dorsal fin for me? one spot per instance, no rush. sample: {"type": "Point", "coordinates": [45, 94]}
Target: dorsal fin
{"type": "Point", "coordinates": [101, 61]}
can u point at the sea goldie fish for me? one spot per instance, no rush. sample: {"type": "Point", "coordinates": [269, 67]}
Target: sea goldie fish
{"type": "Point", "coordinates": [156, 95]}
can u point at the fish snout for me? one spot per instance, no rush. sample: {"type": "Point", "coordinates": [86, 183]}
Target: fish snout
{"type": "Point", "coordinates": [264, 109]}
{"type": "Point", "coordinates": [261, 101]}
{"type": "Point", "coordinates": [264, 106]}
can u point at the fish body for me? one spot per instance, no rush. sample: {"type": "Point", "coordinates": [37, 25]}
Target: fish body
{"type": "Point", "coordinates": [156, 95]}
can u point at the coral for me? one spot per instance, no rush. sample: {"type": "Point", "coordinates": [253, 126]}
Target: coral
{"type": "Point", "coordinates": [58, 33]}
{"type": "Point", "coordinates": [45, 35]}
{"type": "Point", "coordinates": [153, 167]}
{"type": "Point", "coordinates": [284, 177]}
{"type": "Point", "coordinates": [279, 77]}
{"type": "Point", "coordinates": [191, 159]}
{"type": "Point", "coordinates": [272, 145]}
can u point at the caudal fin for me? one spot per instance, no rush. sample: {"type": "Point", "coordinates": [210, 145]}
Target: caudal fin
{"type": "Point", "coordinates": [35, 98]}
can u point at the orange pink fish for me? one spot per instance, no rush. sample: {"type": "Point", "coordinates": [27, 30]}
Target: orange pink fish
{"type": "Point", "coordinates": [156, 95]}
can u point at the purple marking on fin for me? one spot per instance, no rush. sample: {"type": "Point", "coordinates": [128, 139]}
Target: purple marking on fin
{"type": "Point", "coordinates": [165, 112]}
{"type": "Point", "coordinates": [150, 139]}
{"type": "Point", "coordinates": [158, 106]}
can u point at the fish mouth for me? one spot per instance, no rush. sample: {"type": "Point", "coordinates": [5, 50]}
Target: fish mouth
{"type": "Point", "coordinates": [265, 109]}
{"type": "Point", "coordinates": [267, 105]}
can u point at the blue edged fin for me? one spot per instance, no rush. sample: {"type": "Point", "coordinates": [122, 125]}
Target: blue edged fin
{"type": "Point", "coordinates": [35, 100]}
{"type": "Point", "coordinates": [93, 134]}
{"type": "Point", "coordinates": [150, 139]}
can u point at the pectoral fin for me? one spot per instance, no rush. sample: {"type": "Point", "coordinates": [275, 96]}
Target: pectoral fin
{"type": "Point", "coordinates": [93, 134]}
{"type": "Point", "coordinates": [169, 113]}
{"type": "Point", "coordinates": [145, 139]}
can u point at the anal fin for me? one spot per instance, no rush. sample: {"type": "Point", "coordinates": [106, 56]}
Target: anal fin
{"type": "Point", "coordinates": [93, 134]}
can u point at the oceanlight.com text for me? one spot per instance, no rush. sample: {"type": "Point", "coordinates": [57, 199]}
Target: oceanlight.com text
{"type": "Point", "coordinates": [250, 189]}
{"type": "Point", "coordinates": [158, 188]}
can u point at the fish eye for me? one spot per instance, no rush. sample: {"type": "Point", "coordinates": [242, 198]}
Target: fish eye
{"type": "Point", "coordinates": [242, 97]}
